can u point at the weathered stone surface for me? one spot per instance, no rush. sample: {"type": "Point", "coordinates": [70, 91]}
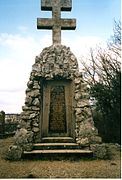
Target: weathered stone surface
{"type": "Point", "coordinates": [29, 108]}
{"type": "Point", "coordinates": [85, 129]}
{"type": "Point", "coordinates": [36, 125]}
{"type": "Point", "coordinates": [36, 85]}
{"type": "Point", "coordinates": [36, 102]}
{"type": "Point", "coordinates": [24, 139]}
{"type": "Point", "coordinates": [77, 96]}
{"type": "Point", "coordinates": [14, 153]}
{"type": "Point", "coordinates": [77, 81]}
{"type": "Point", "coordinates": [33, 115]}
{"type": "Point", "coordinates": [30, 84]}
{"type": "Point", "coordinates": [28, 147]}
{"type": "Point", "coordinates": [78, 110]}
{"type": "Point", "coordinates": [25, 116]}
{"type": "Point", "coordinates": [99, 151]}
{"type": "Point", "coordinates": [83, 141]}
{"type": "Point", "coordinates": [34, 93]}
{"type": "Point", "coordinates": [95, 139]}
{"type": "Point", "coordinates": [82, 103]}
{"type": "Point", "coordinates": [87, 111]}
{"type": "Point", "coordinates": [35, 129]}
{"type": "Point", "coordinates": [28, 100]}
{"type": "Point", "coordinates": [20, 136]}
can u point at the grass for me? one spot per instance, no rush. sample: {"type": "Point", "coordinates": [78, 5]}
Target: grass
{"type": "Point", "coordinates": [65, 168]}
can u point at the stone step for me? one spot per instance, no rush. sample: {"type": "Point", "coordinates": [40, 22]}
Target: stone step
{"type": "Point", "coordinates": [59, 151]}
{"type": "Point", "coordinates": [57, 139]}
{"type": "Point", "coordinates": [41, 146]}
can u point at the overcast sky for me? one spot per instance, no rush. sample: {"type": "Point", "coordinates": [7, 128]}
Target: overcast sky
{"type": "Point", "coordinates": [20, 41]}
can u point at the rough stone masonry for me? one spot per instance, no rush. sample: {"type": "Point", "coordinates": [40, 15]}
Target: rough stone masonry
{"type": "Point", "coordinates": [56, 64]}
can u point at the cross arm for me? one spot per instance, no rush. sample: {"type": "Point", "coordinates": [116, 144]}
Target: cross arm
{"type": "Point", "coordinates": [44, 23]}
{"type": "Point", "coordinates": [68, 24]}
{"type": "Point", "coordinates": [47, 23]}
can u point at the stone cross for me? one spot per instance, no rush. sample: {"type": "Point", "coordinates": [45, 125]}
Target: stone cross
{"type": "Point", "coordinates": [56, 23]}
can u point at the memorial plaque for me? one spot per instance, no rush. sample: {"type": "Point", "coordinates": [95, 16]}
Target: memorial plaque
{"type": "Point", "coordinates": [57, 106]}
{"type": "Point", "coordinates": [57, 116]}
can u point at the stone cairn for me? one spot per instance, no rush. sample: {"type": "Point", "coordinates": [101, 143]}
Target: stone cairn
{"type": "Point", "coordinates": [56, 62]}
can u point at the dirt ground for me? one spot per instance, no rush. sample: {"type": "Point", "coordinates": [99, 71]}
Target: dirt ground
{"type": "Point", "coordinates": [65, 168]}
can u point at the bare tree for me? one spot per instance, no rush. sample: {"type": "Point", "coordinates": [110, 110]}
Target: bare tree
{"type": "Point", "coordinates": [101, 67]}
{"type": "Point", "coordinates": [102, 72]}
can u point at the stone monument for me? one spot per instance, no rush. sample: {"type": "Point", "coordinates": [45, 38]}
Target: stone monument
{"type": "Point", "coordinates": [57, 111]}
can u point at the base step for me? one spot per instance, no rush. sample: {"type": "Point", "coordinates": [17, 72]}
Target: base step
{"type": "Point", "coordinates": [59, 151]}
